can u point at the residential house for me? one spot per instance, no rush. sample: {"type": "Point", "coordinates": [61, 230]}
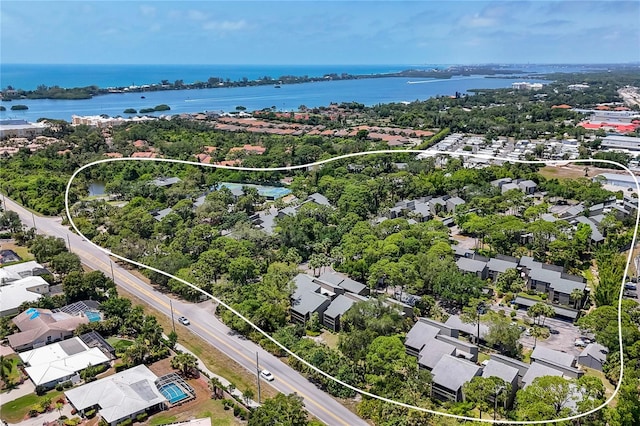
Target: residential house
{"type": "Point", "coordinates": [15, 293]}
{"type": "Point", "coordinates": [512, 362]}
{"type": "Point", "coordinates": [337, 308]}
{"type": "Point", "coordinates": [18, 271]}
{"type": "Point", "coordinates": [552, 280]}
{"type": "Point", "coordinates": [164, 182]}
{"type": "Point", "coordinates": [39, 327]}
{"type": "Point", "coordinates": [468, 329]}
{"type": "Point", "coordinates": [499, 264]}
{"type": "Point", "coordinates": [453, 203]}
{"type": "Point", "coordinates": [509, 374]}
{"type": "Point", "coordinates": [58, 362]}
{"type": "Point", "coordinates": [473, 266]}
{"type": "Point", "coordinates": [594, 355]}
{"type": "Point", "coordinates": [528, 186]}
{"type": "Point", "coordinates": [307, 300]}
{"type": "Point", "coordinates": [418, 336]}
{"type": "Point", "coordinates": [119, 397]}
{"type": "Point", "coordinates": [449, 375]}
{"type": "Point", "coordinates": [345, 283]}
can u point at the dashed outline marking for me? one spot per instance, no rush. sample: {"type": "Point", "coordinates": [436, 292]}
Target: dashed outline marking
{"type": "Point", "coordinates": [359, 154]}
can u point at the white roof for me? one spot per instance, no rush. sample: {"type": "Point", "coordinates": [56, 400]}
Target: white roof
{"type": "Point", "coordinates": [59, 360]}
{"type": "Point", "coordinates": [120, 395]}
{"type": "Point", "coordinates": [18, 270]}
{"type": "Point", "coordinates": [17, 292]}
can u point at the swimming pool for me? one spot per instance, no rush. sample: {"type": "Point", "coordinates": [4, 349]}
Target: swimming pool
{"type": "Point", "coordinates": [173, 393]}
{"type": "Point", "coordinates": [92, 316]}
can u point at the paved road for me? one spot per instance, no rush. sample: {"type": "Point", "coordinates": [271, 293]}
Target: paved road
{"type": "Point", "coordinates": [203, 323]}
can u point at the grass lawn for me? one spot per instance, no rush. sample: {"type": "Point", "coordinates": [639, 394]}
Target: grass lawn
{"type": "Point", "coordinates": [331, 339]}
{"type": "Point", "coordinates": [15, 411]}
{"type": "Point", "coordinates": [13, 375]}
{"type": "Point", "coordinates": [120, 345]}
{"type": "Point", "coordinates": [483, 357]}
{"type": "Point", "coordinates": [21, 251]}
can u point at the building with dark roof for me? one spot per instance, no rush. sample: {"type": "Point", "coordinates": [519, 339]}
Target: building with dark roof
{"type": "Point", "coordinates": [473, 266]}
{"type": "Point", "coordinates": [449, 375]}
{"type": "Point", "coordinates": [594, 355]}
{"type": "Point", "coordinates": [337, 308]}
{"type": "Point", "coordinates": [495, 368]}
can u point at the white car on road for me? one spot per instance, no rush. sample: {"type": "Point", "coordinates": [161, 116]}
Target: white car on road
{"type": "Point", "coordinates": [266, 374]}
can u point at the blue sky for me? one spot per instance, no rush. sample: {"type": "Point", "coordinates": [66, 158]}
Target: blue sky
{"type": "Point", "coordinates": [319, 32]}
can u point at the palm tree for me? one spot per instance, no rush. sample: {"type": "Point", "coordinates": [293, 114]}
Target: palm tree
{"type": "Point", "coordinates": [5, 366]}
{"type": "Point", "coordinates": [536, 332]}
{"type": "Point", "coordinates": [185, 362]}
{"type": "Point", "coordinates": [216, 387]}
{"type": "Point", "coordinates": [576, 296]}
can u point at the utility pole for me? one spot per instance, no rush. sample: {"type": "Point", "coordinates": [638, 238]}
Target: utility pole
{"type": "Point", "coordinates": [68, 243]}
{"type": "Point", "coordinates": [258, 376]}
{"type": "Point", "coordinates": [33, 217]}
{"type": "Point", "coordinates": [173, 323]}
{"type": "Point", "coordinates": [113, 277]}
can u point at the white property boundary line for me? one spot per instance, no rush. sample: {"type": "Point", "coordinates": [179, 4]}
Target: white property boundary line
{"type": "Point", "coordinates": [359, 154]}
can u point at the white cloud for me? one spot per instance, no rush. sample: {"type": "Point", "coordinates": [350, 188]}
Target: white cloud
{"type": "Point", "coordinates": [147, 10]}
{"type": "Point", "coordinates": [225, 26]}
{"type": "Point", "coordinates": [196, 15]}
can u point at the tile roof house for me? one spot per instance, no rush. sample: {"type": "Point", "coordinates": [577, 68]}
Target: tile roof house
{"type": "Point", "coordinates": [449, 375]}
{"type": "Point", "coordinates": [41, 326]}
{"type": "Point", "coordinates": [120, 396]}
{"type": "Point", "coordinates": [344, 282]}
{"type": "Point", "coordinates": [594, 355]}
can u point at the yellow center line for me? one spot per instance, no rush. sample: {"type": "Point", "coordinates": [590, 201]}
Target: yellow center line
{"type": "Point", "coordinates": [104, 266]}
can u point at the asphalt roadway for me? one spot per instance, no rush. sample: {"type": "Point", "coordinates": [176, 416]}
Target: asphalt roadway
{"type": "Point", "coordinates": [203, 323]}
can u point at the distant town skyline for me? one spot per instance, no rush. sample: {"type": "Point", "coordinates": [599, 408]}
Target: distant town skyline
{"type": "Point", "coordinates": [319, 32]}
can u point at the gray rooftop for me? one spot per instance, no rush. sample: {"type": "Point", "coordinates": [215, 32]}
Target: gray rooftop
{"type": "Point", "coordinates": [595, 232]}
{"type": "Point", "coordinates": [539, 370]}
{"type": "Point", "coordinates": [339, 306]}
{"type": "Point", "coordinates": [498, 369]}
{"type": "Point", "coordinates": [500, 265]}
{"type": "Point", "coordinates": [319, 199]}
{"type": "Point", "coordinates": [162, 214]}
{"type": "Point", "coordinates": [352, 286]}
{"type": "Point", "coordinates": [162, 181]}
{"type": "Point", "coordinates": [331, 278]}
{"type": "Point", "coordinates": [304, 283]}
{"type": "Point", "coordinates": [452, 372]}
{"type": "Point", "coordinates": [420, 334]}
{"type": "Point", "coordinates": [552, 355]}
{"type": "Point", "coordinates": [454, 321]}
{"type": "Point", "coordinates": [470, 265]}
{"type": "Point", "coordinates": [433, 352]}
{"type": "Point", "coordinates": [596, 351]}
{"type": "Point", "coordinates": [307, 302]}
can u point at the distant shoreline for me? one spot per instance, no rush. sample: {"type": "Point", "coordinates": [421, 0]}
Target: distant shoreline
{"type": "Point", "coordinates": [87, 92]}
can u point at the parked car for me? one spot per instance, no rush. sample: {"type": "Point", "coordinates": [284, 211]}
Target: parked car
{"type": "Point", "coordinates": [630, 286]}
{"type": "Point", "coordinates": [580, 343]}
{"type": "Point", "coordinates": [184, 321]}
{"type": "Point", "coordinates": [630, 293]}
{"type": "Point", "coordinates": [266, 374]}
{"type": "Point", "coordinates": [553, 331]}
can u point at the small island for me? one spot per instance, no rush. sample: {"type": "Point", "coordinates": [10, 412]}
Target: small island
{"type": "Point", "coordinates": [19, 107]}
{"type": "Point", "coordinates": [130, 111]}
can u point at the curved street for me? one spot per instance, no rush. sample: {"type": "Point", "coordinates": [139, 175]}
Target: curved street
{"type": "Point", "coordinates": [203, 323]}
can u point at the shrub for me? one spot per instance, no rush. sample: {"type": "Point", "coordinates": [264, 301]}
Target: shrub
{"type": "Point", "coordinates": [73, 421]}
{"type": "Point", "coordinates": [90, 413]}
{"type": "Point", "coordinates": [127, 422]}
{"type": "Point", "coordinates": [544, 296]}
{"type": "Point", "coordinates": [40, 390]}
{"type": "Point", "coordinates": [67, 384]}
{"type": "Point", "coordinates": [236, 411]}
{"type": "Point", "coordinates": [142, 417]}
{"type": "Point", "coordinates": [513, 314]}
{"type": "Point", "coordinates": [120, 366]}
{"type": "Point", "coordinates": [33, 413]}
{"type": "Point", "coordinates": [59, 387]}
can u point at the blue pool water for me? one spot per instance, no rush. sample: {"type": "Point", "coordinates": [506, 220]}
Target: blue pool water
{"type": "Point", "coordinates": [173, 393]}
{"type": "Point", "coordinates": [92, 316]}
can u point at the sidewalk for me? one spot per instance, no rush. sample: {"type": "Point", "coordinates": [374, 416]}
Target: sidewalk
{"type": "Point", "coordinates": [25, 388]}
{"type": "Point", "coordinates": [225, 382]}
{"type": "Point", "coordinates": [51, 416]}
